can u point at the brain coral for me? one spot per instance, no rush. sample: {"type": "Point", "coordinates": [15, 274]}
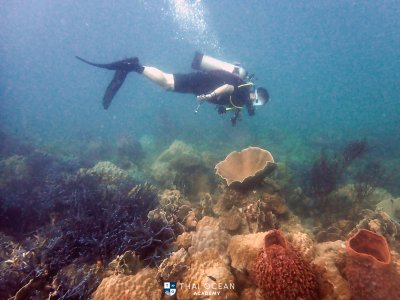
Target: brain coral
{"type": "Point", "coordinates": [282, 273]}
{"type": "Point", "coordinates": [131, 287]}
{"type": "Point", "coordinates": [369, 267]}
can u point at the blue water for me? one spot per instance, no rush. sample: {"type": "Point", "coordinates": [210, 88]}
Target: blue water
{"type": "Point", "coordinates": [331, 67]}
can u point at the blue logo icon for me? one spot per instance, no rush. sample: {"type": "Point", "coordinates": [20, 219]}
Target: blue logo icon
{"type": "Point", "coordinates": [169, 288]}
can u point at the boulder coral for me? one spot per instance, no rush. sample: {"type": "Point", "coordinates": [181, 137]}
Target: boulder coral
{"type": "Point", "coordinates": [330, 257]}
{"type": "Point", "coordinates": [244, 168]}
{"type": "Point", "coordinates": [210, 272]}
{"type": "Point", "coordinates": [130, 287]}
{"type": "Point", "coordinates": [181, 166]}
{"type": "Point", "coordinates": [203, 270]}
{"type": "Point", "coordinates": [369, 267]}
{"type": "Point", "coordinates": [282, 273]}
{"type": "Point", "coordinates": [243, 250]}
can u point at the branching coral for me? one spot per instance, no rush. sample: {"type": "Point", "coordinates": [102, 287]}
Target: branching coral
{"type": "Point", "coordinates": [93, 219]}
{"type": "Point", "coordinates": [103, 227]}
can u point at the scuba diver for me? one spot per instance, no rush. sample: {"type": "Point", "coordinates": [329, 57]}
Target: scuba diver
{"type": "Point", "coordinates": [226, 85]}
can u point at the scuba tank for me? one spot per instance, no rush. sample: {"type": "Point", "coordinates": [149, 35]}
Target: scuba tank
{"type": "Point", "coordinates": [207, 63]}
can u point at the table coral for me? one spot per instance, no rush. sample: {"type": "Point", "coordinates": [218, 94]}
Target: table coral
{"type": "Point", "coordinates": [282, 272]}
{"type": "Point", "coordinates": [245, 167]}
{"type": "Point", "coordinates": [369, 267]}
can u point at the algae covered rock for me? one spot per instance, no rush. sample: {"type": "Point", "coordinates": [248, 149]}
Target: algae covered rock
{"type": "Point", "coordinates": [181, 166]}
{"type": "Point", "coordinates": [107, 172]}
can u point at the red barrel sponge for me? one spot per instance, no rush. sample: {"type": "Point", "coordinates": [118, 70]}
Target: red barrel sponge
{"type": "Point", "coordinates": [369, 269]}
{"type": "Point", "coordinates": [281, 271]}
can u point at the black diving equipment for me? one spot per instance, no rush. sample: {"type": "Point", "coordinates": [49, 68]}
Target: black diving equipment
{"type": "Point", "coordinates": [204, 62]}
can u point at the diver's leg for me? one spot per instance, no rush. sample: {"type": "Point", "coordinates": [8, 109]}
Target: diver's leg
{"type": "Point", "coordinates": [165, 80]}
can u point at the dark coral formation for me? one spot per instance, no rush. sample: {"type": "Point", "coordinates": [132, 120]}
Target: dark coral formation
{"type": "Point", "coordinates": [354, 149]}
{"type": "Point", "coordinates": [65, 229]}
{"type": "Point", "coordinates": [328, 171]}
{"type": "Point", "coordinates": [369, 268]}
{"type": "Point", "coordinates": [324, 176]}
{"type": "Point", "coordinates": [282, 273]}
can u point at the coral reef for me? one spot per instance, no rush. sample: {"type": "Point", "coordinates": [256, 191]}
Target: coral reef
{"type": "Point", "coordinates": [246, 167]}
{"type": "Point", "coordinates": [180, 166]}
{"type": "Point", "coordinates": [92, 217]}
{"type": "Point", "coordinates": [244, 211]}
{"type": "Point", "coordinates": [172, 267]}
{"type": "Point", "coordinates": [176, 211]}
{"type": "Point", "coordinates": [330, 257]}
{"type": "Point", "coordinates": [380, 223]}
{"type": "Point", "coordinates": [243, 250]}
{"type": "Point", "coordinates": [107, 172]}
{"type": "Point", "coordinates": [204, 264]}
{"type": "Point", "coordinates": [172, 197]}
{"type": "Point", "coordinates": [282, 273]}
{"type": "Point", "coordinates": [303, 243]}
{"type": "Point", "coordinates": [74, 229]}
{"type": "Point", "coordinates": [327, 171]}
{"type": "Point", "coordinates": [128, 263]}
{"type": "Point", "coordinates": [369, 267]}
{"type": "Point", "coordinates": [366, 180]}
{"type": "Point", "coordinates": [209, 235]}
{"type": "Point", "coordinates": [208, 269]}
{"type": "Point", "coordinates": [184, 241]}
{"type": "Point", "coordinates": [130, 287]}
{"type": "Point", "coordinates": [391, 206]}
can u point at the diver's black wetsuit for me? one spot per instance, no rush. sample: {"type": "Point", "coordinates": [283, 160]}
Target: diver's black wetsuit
{"type": "Point", "coordinates": [200, 83]}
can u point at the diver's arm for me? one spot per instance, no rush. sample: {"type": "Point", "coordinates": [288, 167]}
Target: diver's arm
{"type": "Point", "coordinates": [222, 90]}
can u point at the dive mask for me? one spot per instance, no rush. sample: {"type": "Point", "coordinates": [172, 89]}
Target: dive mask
{"type": "Point", "coordinates": [258, 101]}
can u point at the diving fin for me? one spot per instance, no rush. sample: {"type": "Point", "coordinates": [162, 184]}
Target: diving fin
{"type": "Point", "coordinates": [121, 68]}
{"type": "Point", "coordinates": [113, 87]}
{"type": "Point", "coordinates": [128, 64]}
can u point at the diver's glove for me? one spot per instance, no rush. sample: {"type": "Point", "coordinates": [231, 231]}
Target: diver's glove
{"type": "Point", "coordinates": [206, 96]}
{"type": "Point", "coordinates": [221, 109]}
